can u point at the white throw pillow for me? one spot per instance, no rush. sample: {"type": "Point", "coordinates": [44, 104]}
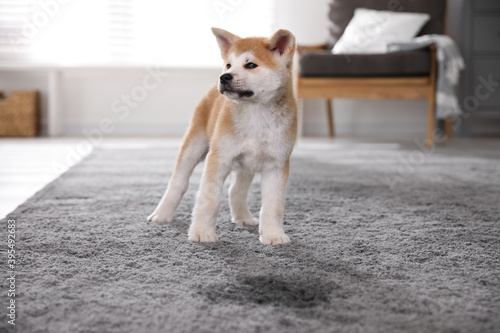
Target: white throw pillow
{"type": "Point", "coordinates": [370, 31]}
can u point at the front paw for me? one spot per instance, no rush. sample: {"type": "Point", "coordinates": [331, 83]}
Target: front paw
{"type": "Point", "coordinates": [274, 238]}
{"type": "Point", "coordinates": [246, 221]}
{"type": "Point", "coordinates": [202, 235]}
{"type": "Point", "coordinates": [159, 218]}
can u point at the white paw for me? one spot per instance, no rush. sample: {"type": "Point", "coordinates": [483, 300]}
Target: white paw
{"type": "Point", "coordinates": [275, 238]}
{"type": "Point", "coordinates": [159, 218]}
{"type": "Point", "coordinates": [201, 235]}
{"type": "Point", "coordinates": [246, 221]}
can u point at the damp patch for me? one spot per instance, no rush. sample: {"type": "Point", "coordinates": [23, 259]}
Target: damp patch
{"type": "Point", "coordinates": [270, 290]}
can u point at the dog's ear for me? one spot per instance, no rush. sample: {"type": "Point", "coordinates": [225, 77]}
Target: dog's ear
{"type": "Point", "coordinates": [282, 43]}
{"type": "Point", "coordinates": [225, 39]}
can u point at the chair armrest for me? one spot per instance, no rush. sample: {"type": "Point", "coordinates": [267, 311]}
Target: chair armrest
{"type": "Point", "coordinates": [311, 48]}
{"type": "Point", "coordinates": [433, 49]}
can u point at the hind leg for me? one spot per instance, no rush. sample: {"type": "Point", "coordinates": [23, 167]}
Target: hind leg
{"type": "Point", "coordinates": [193, 150]}
{"type": "Point", "coordinates": [238, 192]}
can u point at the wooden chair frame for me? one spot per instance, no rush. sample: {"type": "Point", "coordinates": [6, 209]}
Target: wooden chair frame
{"type": "Point", "coordinates": [412, 87]}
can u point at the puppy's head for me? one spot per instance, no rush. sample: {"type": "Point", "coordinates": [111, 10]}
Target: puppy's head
{"type": "Point", "coordinates": [255, 69]}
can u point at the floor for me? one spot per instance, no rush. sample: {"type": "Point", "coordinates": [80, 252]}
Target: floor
{"type": "Point", "coordinates": [386, 236]}
{"type": "Point", "coordinates": [27, 165]}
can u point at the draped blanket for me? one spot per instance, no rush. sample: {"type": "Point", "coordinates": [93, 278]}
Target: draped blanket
{"type": "Point", "coordinates": [449, 65]}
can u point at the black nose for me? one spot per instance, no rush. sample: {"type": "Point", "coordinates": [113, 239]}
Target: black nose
{"type": "Point", "coordinates": [226, 78]}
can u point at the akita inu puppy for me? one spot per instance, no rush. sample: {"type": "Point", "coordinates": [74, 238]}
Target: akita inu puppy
{"type": "Point", "coordinates": [245, 124]}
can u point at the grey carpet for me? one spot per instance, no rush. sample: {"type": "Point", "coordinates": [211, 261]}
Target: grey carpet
{"type": "Point", "coordinates": [422, 256]}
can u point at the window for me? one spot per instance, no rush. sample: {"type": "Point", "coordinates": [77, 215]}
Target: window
{"type": "Point", "coordinates": [111, 32]}
{"type": "Point", "coordinates": [12, 16]}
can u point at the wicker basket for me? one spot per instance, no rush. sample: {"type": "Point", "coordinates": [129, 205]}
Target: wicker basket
{"type": "Point", "coordinates": [19, 114]}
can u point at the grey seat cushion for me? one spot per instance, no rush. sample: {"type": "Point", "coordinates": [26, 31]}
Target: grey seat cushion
{"type": "Point", "coordinates": [404, 63]}
{"type": "Point", "coordinates": [342, 11]}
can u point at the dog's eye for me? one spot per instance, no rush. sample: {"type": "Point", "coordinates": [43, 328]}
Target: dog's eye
{"type": "Point", "coordinates": [251, 65]}
{"type": "Point", "coordinates": [228, 66]}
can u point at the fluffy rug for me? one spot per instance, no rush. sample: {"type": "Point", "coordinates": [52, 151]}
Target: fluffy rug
{"type": "Point", "coordinates": [383, 240]}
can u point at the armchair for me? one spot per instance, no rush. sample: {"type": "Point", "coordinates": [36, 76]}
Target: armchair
{"type": "Point", "coordinates": [395, 75]}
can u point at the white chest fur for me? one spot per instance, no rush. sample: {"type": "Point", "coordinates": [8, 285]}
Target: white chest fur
{"type": "Point", "coordinates": [260, 140]}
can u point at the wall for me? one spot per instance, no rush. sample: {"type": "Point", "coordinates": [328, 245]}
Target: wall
{"type": "Point", "coordinates": [89, 94]}
{"type": "Point", "coordinates": [164, 110]}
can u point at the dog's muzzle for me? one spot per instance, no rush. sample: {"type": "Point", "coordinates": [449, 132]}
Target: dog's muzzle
{"type": "Point", "coordinates": [225, 86]}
